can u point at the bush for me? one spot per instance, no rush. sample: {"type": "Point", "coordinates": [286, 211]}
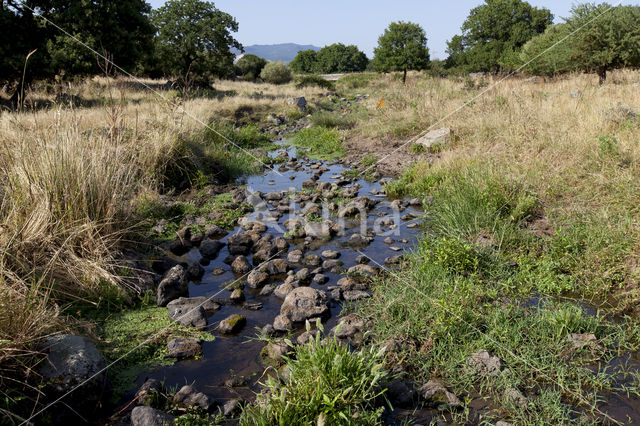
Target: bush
{"type": "Point", "coordinates": [315, 80]}
{"type": "Point", "coordinates": [276, 73]}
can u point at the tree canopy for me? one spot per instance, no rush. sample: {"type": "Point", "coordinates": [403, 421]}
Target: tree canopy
{"type": "Point", "coordinates": [250, 66]}
{"type": "Point", "coordinates": [194, 39]}
{"type": "Point", "coordinates": [305, 62]}
{"type": "Point", "coordinates": [335, 58]}
{"type": "Point", "coordinates": [402, 47]}
{"type": "Point", "coordinates": [599, 38]}
{"type": "Point", "coordinates": [494, 33]}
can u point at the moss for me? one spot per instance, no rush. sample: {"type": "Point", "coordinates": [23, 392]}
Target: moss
{"type": "Point", "coordinates": [128, 331]}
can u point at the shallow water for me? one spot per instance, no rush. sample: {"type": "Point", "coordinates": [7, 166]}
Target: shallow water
{"type": "Point", "coordinates": [239, 355]}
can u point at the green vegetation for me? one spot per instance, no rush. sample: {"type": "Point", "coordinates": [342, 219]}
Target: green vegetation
{"type": "Point", "coordinates": [314, 80]}
{"type": "Point", "coordinates": [250, 66]}
{"type": "Point", "coordinates": [336, 58]}
{"type": "Point", "coordinates": [122, 328]}
{"type": "Point", "coordinates": [276, 73]}
{"type": "Point", "coordinates": [609, 39]}
{"type": "Point", "coordinates": [332, 120]}
{"type": "Point", "coordinates": [194, 40]}
{"type": "Point", "coordinates": [481, 281]}
{"type": "Point", "coordinates": [326, 384]}
{"type": "Point", "coordinates": [321, 142]}
{"type": "Point", "coordinates": [494, 33]}
{"type": "Point", "coordinates": [402, 47]}
{"type": "Point", "coordinates": [225, 213]}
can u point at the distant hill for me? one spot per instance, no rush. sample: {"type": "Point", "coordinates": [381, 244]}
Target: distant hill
{"type": "Point", "coordinates": [277, 52]}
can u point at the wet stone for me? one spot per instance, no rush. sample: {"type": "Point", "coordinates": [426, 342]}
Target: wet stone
{"type": "Point", "coordinates": [320, 279]}
{"type": "Point", "coordinates": [195, 271]}
{"type": "Point", "coordinates": [362, 259]}
{"type": "Point", "coordinates": [232, 324]}
{"type": "Point", "coordinates": [210, 248]}
{"type": "Point", "coordinates": [188, 396]}
{"type": "Point", "coordinates": [237, 296]}
{"type": "Point", "coordinates": [240, 265]}
{"type": "Point", "coordinates": [217, 271]}
{"type": "Point", "coordinates": [257, 279]}
{"type": "Point", "coordinates": [267, 290]}
{"type": "Point", "coordinates": [147, 416]}
{"type": "Point", "coordinates": [184, 348]}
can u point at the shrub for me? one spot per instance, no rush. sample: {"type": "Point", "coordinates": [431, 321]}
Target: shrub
{"type": "Point", "coordinates": [315, 80]}
{"type": "Point", "coordinates": [276, 73]}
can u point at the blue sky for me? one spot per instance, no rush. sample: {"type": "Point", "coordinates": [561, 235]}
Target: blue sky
{"type": "Point", "coordinates": [358, 22]}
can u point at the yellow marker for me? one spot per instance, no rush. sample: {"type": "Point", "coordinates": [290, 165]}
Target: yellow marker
{"type": "Point", "coordinates": [380, 104]}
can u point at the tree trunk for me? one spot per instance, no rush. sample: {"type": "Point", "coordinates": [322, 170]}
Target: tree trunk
{"type": "Point", "coordinates": [602, 74]}
{"type": "Point", "coordinates": [404, 76]}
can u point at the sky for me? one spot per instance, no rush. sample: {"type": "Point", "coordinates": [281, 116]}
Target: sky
{"type": "Point", "coordinates": [358, 22]}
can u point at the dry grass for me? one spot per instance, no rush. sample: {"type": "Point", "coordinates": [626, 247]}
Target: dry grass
{"type": "Point", "coordinates": [570, 142]}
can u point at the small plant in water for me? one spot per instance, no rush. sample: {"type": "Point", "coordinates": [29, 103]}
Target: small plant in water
{"type": "Point", "coordinates": [327, 384]}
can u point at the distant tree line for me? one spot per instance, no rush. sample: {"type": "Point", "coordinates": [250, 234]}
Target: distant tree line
{"type": "Point", "coordinates": [192, 41]}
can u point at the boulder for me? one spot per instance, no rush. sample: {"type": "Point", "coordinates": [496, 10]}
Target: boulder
{"type": "Point", "coordinates": [240, 265]}
{"type": "Point", "coordinates": [192, 311]}
{"type": "Point", "coordinates": [240, 243]}
{"type": "Point", "coordinates": [188, 396]}
{"type": "Point", "coordinates": [485, 363]}
{"type": "Point", "coordinates": [275, 267]}
{"type": "Point", "coordinates": [295, 256]}
{"type": "Point", "coordinates": [330, 254]}
{"type": "Point", "coordinates": [257, 279]}
{"type": "Point", "coordinates": [71, 361]}
{"type": "Point", "coordinates": [210, 248]}
{"type": "Point", "coordinates": [437, 396]}
{"type": "Point", "coordinates": [363, 270]}
{"type": "Point", "coordinates": [299, 102]}
{"type": "Point", "coordinates": [147, 416]}
{"type": "Point", "coordinates": [232, 324]}
{"type": "Point", "coordinates": [321, 230]}
{"type": "Point", "coordinates": [435, 137]}
{"type": "Point", "coordinates": [305, 303]}
{"type": "Point", "coordinates": [173, 285]}
{"type": "Point", "coordinates": [184, 348]}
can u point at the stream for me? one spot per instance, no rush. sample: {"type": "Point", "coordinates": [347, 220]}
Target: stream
{"type": "Point", "coordinates": [237, 356]}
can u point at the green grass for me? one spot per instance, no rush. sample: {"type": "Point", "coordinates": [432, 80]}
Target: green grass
{"type": "Point", "coordinates": [332, 120]}
{"type": "Point", "coordinates": [122, 327]}
{"type": "Point", "coordinates": [473, 282]}
{"type": "Point", "coordinates": [321, 142]}
{"type": "Point", "coordinates": [327, 384]}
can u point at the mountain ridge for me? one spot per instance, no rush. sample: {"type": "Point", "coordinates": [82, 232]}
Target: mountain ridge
{"type": "Point", "coordinates": [284, 52]}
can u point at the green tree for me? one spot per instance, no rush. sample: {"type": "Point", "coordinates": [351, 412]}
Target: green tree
{"type": "Point", "coordinates": [120, 29]}
{"type": "Point", "coordinates": [305, 62]}
{"type": "Point", "coordinates": [402, 47]}
{"type": "Point", "coordinates": [547, 54]}
{"type": "Point", "coordinates": [494, 33]}
{"type": "Point", "coordinates": [338, 58]}
{"type": "Point", "coordinates": [610, 39]}
{"type": "Point", "coordinates": [250, 66]}
{"type": "Point", "coordinates": [194, 40]}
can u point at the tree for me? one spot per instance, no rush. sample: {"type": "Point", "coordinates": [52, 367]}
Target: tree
{"type": "Point", "coordinates": [250, 66]}
{"type": "Point", "coordinates": [338, 58]}
{"type": "Point", "coordinates": [305, 62]}
{"type": "Point", "coordinates": [610, 39]}
{"type": "Point", "coordinates": [194, 39]}
{"type": "Point", "coordinates": [402, 47]}
{"type": "Point", "coordinates": [547, 56]}
{"type": "Point", "coordinates": [494, 33]}
{"type": "Point", "coordinates": [119, 29]}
